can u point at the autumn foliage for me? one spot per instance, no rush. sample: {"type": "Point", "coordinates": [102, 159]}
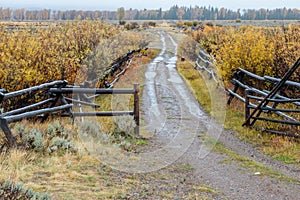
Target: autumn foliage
{"type": "Point", "coordinates": [261, 50]}
{"type": "Point", "coordinates": [35, 55]}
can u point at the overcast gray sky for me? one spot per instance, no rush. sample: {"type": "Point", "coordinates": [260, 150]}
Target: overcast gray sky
{"type": "Point", "coordinates": [149, 4]}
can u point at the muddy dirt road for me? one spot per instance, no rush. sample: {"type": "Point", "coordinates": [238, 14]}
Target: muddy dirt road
{"type": "Point", "coordinates": [179, 126]}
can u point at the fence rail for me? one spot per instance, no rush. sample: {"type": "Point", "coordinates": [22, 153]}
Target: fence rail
{"type": "Point", "coordinates": [258, 101]}
{"type": "Point", "coordinates": [59, 102]}
{"type": "Point", "coordinates": [204, 63]}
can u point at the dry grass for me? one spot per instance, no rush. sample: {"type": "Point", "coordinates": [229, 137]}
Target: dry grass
{"type": "Point", "coordinates": [78, 175]}
{"type": "Point", "coordinates": [207, 92]}
{"type": "Point", "coordinates": [66, 177]}
{"type": "Point", "coordinates": [280, 148]}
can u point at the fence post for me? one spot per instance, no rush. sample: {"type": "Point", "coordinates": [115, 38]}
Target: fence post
{"type": "Point", "coordinates": [239, 75]}
{"type": "Point", "coordinates": [1, 96]}
{"type": "Point", "coordinates": [136, 109]}
{"type": "Point", "coordinates": [247, 108]}
{"type": "Point", "coordinates": [9, 136]}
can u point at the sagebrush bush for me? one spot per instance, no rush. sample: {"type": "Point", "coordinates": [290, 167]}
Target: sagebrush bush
{"type": "Point", "coordinates": [16, 191]}
{"type": "Point", "coordinates": [34, 140]}
{"type": "Point", "coordinates": [124, 125]}
{"type": "Point", "coordinates": [55, 129]}
{"type": "Point", "coordinates": [122, 136]}
{"type": "Point", "coordinates": [92, 129]}
{"type": "Point", "coordinates": [62, 144]}
{"type": "Point", "coordinates": [54, 138]}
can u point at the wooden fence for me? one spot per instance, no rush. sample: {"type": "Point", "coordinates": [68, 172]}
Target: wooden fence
{"type": "Point", "coordinates": [58, 99]}
{"type": "Point", "coordinates": [85, 92]}
{"type": "Point", "coordinates": [58, 104]}
{"type": "Point", "coordinates": [204, 63]}
{"type": "Point", "coordinates": [277, 108]}
{"type": "Point", "coordinates": [117, 68]}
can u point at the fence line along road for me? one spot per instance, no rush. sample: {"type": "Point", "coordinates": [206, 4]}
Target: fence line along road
{"type": "Point", "coordinates": [59, 101]}
{"type": "Point", "coordinates": [257, 101]}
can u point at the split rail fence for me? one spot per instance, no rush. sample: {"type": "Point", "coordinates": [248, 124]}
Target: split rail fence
{"type": "Point", "coordinates": [276, 106]}
{"type": "Point", "coordinates": [57, 100]}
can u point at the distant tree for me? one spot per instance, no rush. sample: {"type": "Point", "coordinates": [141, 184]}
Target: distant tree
{"type": "Point", "coordinates": [120, 13]}
{"type": "Point", "coordinates": [137, 15]}
{"type": "Point", "coordinates": [160, 15]}
{"type": "Point", "coordinates": [222, 13]}
{"type": "Point", "coordinates": [172, 13]}
{"type": "Point", "coordinates": [180, 12]}
{"type": "Point", "coordinates": [6, 14]}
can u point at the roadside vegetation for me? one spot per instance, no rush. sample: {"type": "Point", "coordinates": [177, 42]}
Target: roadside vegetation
{"type": "Point", "coordinates": [261, 50]}
{"type": "Point", "coordinates": [54, 157]}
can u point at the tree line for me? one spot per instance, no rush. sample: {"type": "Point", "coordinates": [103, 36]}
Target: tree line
{"type": "Point", "coordinates": [174, 13]}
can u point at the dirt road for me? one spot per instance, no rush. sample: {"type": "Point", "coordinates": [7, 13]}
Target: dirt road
{"type": "Point", "coordinates": [179, 127]}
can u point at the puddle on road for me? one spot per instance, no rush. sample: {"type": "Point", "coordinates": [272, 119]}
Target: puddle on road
{"type": "Point", "coordinates": [192, 106]}
{"type": "Point", "coordinates": [175, 45]}
{"type": "Point", "coordinates": [175, 80]}
{"type": "Point", "coordinates": [173, 74]}
{"type": "Point", "coordinates": [172, 61]}
{"type": "Point", "coordinates": [157, 60]}
{"type": "Point", "coordinates": [180, 87]}
{"type": "Point", "coordinates": [150, 75]}
{"type": "Point", "coordinates": [154, 112]}
{"type": "Point", "coordinates": [164, 47]}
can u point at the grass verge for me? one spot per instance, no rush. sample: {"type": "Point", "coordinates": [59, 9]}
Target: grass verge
{"type": "Point", "coordinates": [247, 163]}
{"type": "Point", "coordinates": [278, 147]}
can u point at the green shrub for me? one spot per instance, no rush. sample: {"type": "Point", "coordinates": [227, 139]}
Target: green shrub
{"type": "Point", "coordinates": [152, 23]}
{"type": "Point", "coordinates": [61, 144]}
{"type": "Point", "coordinates": [195, 23]}
{"type": "Point", "coordinates": [55, 129]}
{"type": "Point", "coordinates": [122, 23]}
{"type": "Point", "coordinates": [132, 25]}
{"type": "Point", "coordinates": [188, 23]}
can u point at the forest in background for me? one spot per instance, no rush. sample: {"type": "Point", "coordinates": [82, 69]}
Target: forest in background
{"type": "Point", "coordinates": [174, 13]}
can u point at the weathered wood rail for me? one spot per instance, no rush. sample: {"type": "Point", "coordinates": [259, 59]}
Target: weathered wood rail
{"type": "Point", "coordinates": [116, 69]}
{"type": "Point", "coordinates": [26, 111]}
{"type": "Point", "coordinates": [204, 63]}
{"type": "Point", "coordinates": [58, 101]}
{"type": "Point", "coordinates": [258, 102]}
{"type": "Point", "coordinates": [95, 91]}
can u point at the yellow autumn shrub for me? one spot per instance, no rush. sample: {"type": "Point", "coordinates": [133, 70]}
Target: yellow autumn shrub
{"type": "Point", "coordinates": [34, 55]}
{"type": "Point", "coordinates": [260, 50]}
